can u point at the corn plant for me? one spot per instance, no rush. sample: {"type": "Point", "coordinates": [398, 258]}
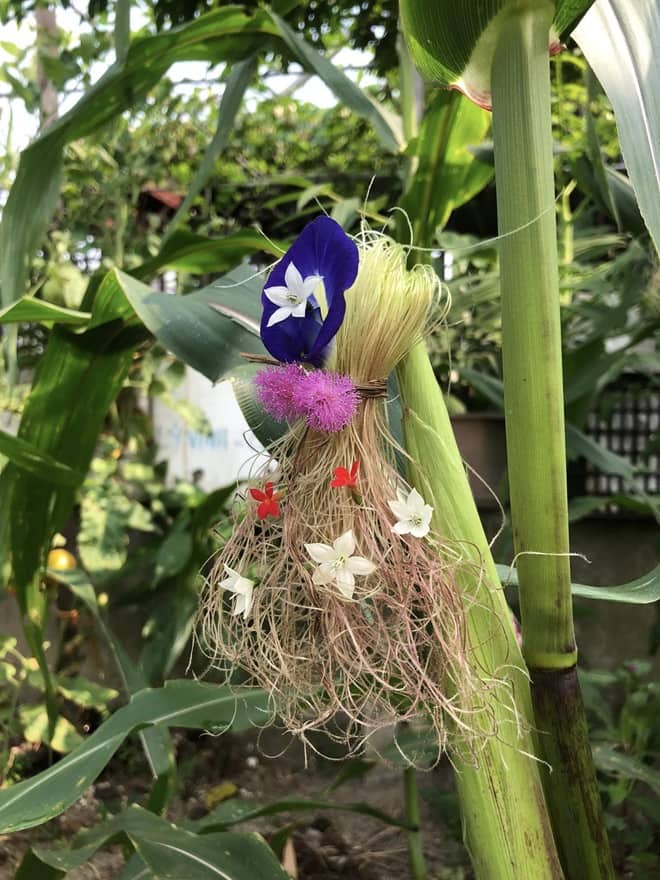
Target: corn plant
{"type": "Point", "coordinates": [519, 820]}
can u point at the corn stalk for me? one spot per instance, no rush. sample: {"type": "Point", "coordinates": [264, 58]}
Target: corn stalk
{"type": "Point", "coordinates": [534, 410]}
{"type": "Point", "coordinates": [506, 826]}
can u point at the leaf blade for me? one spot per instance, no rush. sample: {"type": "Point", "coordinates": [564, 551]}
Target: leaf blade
{"type": "Point", "coordinates": [337, 81]}
{"type": "Point", "coordinates": [237, 83]}
{"type": "Point", "coordinates": [41, 312]}
{"type": "Point", "coordinates": [618, 40]}
{"type": "Point", "coordinates": [193, 328]}
{"type": "Point", "coordinates": [178, 704]}
{"type": "Point", "coordinates": [642, 591]}
{"type": "Point", "coordinates": [37, 462]}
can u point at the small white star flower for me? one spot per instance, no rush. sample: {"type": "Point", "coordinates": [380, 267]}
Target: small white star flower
{"type": "Point", "coordinates": [338, 564]}
{"type": "Point", "coordinates": [413, 515]}
{"type": "Point", "coordinates": [242, 588]}
{"type": "Point", "coordinates": [292, 296]}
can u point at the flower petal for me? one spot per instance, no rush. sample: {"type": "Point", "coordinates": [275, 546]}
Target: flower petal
{"type": "Point", "coordinates": [290, 341]}
{"type": "Point", "coordinates": [324, 250]}
{"type": "Point", "coordinates": [329, 329]}
{"type": "Point", "coordinates": [360, 565]}
{"type": "Point", "coordinates": [293, 278]}
{"type": "Point", "coordinates": [321, 552]}
{"type": "Point", "coordinates": [278, 295]}
{"type": "Point", "coordinates": [309, 285]}
{"type": "Point", "coordinates": [239, 605]}
{"type": "Point", "coordinates": [264, 509]}
{"type": "Point", "coordinates": [299, 310]}
{"type": "Point", "coordinates": [345, 582]}
{"type": "Point", "coordinates": [345, 544]}
{"type": "Point", "coordinates": [399, 509]}
{"type": "Point", "coordinates": [341, 477]}
{"type": "Point", "coordinates": [414, 501]}
{"type": "Point", "coordinates": [419, 531]}
{"type": "Point", "coordinates": [280, 315]}
{"type": "Point", "coordinates": [324, 574]}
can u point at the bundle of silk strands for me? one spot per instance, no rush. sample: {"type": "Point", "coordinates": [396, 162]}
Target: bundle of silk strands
{"type": "Point", "coordinates": [349, 597]}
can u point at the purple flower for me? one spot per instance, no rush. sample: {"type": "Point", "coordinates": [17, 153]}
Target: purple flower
{"type": "Point", "coordinates": [292, 328]}
{"type": "Point", "coordinates": [276, 387]}
{"type": "Point", "coordinates": [328, 400]}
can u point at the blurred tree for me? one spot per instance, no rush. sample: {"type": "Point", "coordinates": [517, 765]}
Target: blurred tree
{"type": "Point", "coordinates": [277, 150]}
{"type": "Point", "coordinates": [325, 23]}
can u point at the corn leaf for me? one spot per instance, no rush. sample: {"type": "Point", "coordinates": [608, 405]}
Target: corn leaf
{"type": "Point", "coordinates": [198, 254]}
{"type": "Point", "coordinates": [78, 378]}
{"type": "Point", "coordinates": [619, 40]}
{"type": "Point", "coordinates": [178, 704]}
{"type": "Point", "coordinates": [343, 87]}
{"type": "Point", "coordinates": [207, 329]}
{"type": "Point", "coordinates": [642, 591]}
{"type": "Point", "coordinates": [447, 174]}
{"type": "Point", "coordinates": [237, 83]}
{"type": "Point", "coordinates": [222, 34]}
{"type": "Point", "coordinates": [234, 811]}
{"type": "Point", "coordinates": [29, 309]}
{"type": "Point", "coordinates": [171, 852]}
{"type": "Point", "coordinates": [156, 741]}
{"type": "Point", "coordinates": [40, 464]}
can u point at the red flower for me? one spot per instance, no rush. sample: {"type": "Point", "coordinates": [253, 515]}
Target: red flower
{"type": "Point", "coordinates": [269, 501]}
{"type": "Point", "coordinates": [344, 478]}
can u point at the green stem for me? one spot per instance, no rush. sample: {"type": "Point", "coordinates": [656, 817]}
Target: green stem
{"type": "Point", "coordinates": [408, 86]}
{"type": "Point", "coordinates": [33, 604]}
{"type": "Point", "coordinates": [415, 852]}
{"type": "Point", "coordinates": [534, 410]}
{"type": "Point", "coordinates": [506, 826]}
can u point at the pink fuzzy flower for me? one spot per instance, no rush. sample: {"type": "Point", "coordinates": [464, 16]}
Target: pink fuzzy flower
{"type": "Point", "coordinates": [277, 391]}
{"type": "Point", "coordinates": [327, 400]}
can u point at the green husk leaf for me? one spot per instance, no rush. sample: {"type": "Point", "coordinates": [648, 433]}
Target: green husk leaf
{"type": "Point", "coordinates": [453, 44]}
{"type": "Point", "coordinates": [263, 426]}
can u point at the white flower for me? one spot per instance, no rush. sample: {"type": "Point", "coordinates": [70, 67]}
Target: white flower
{"type": "Point", "coordinates": [242, 587]}
{"type": "Point", "coordinates": [292, 296]}
{"type": "Point", "coordinates": [413, 515]}
{"type": "Point", "coordinates": [338, 564]}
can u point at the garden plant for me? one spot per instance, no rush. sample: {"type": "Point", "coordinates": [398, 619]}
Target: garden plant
{"type": "Point", "coordinates": [347, 588]}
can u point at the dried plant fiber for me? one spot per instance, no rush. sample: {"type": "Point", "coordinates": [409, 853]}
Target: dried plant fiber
{"type": "Point", "coordinates": [398, 649]}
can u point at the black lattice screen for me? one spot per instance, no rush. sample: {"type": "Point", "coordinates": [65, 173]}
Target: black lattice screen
{"type": "Point", "coordinates": [627, 422]}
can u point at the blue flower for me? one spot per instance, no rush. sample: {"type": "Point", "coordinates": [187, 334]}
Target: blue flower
{"type": "Point", "coordinates": [292, 326]}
